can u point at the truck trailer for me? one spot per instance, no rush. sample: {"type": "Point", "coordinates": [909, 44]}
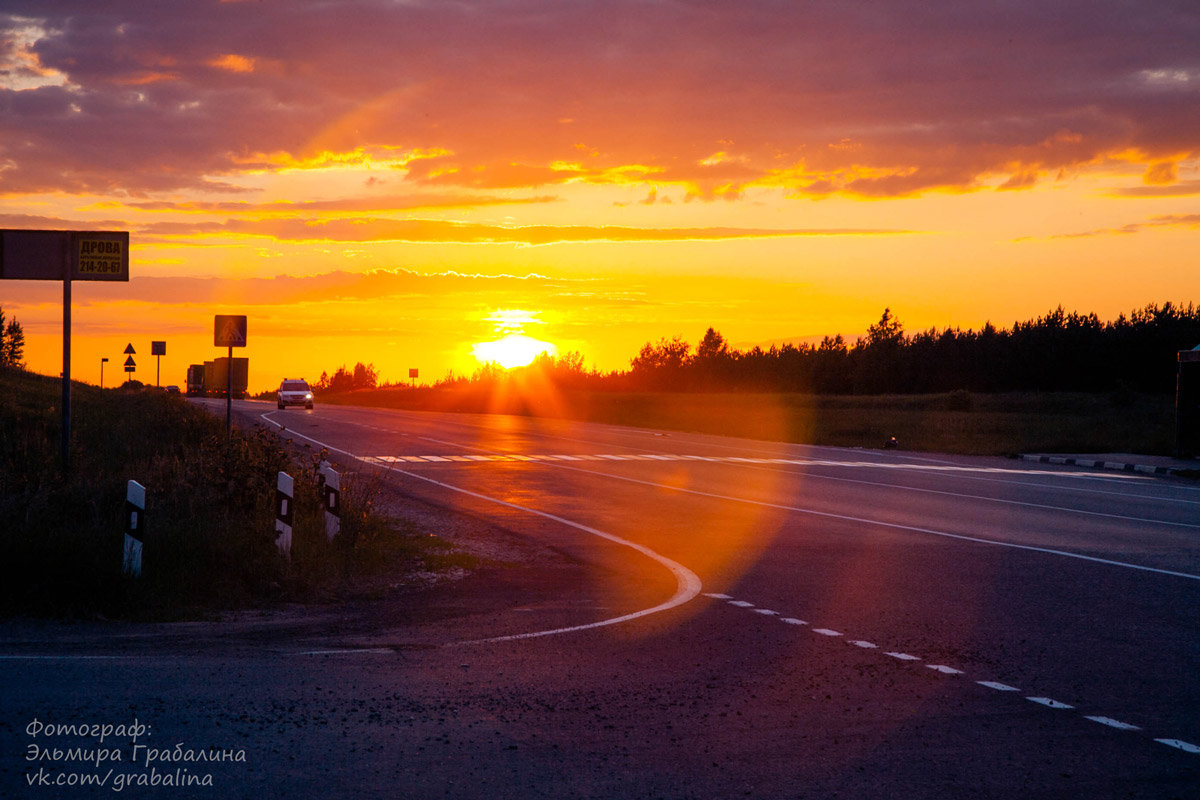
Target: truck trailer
{"type": "Point", "coordinates": [211, 379]}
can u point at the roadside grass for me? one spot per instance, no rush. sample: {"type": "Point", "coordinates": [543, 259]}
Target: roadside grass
{"type": "Point", "coordinates": [956, 422]}
{"type": "Point", "coordinates": [209, 523]}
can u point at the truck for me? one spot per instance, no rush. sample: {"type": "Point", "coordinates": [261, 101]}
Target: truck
{"type": "Point", "coordinates": [195, 380]}
{"type": "Point", "coordinates": [211, 379]}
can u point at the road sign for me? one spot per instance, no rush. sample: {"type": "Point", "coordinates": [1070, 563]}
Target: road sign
{"type": "Point", "coordinates": [229, 330]}
{"type": "Point", "coordinates": [158, 349]}
{"type": "Point", "coordinates": [129, 349]}
{"type": "Point", "coordinates": [130, 364]}
{"type": "Point", "coordinates": [64, 255]}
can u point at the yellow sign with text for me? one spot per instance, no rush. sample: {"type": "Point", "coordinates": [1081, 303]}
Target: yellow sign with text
{"type": "Point", "coordinates": [101, 259]}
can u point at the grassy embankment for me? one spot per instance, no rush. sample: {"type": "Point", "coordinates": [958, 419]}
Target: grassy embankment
{"type": "Point", "coordinates": [210, 511]}
{"type": "Point", "coordinates": [958, 422]}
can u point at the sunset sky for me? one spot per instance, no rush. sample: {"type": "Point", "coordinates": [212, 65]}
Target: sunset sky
{"type": "Point", "coordinates": [398, 182]}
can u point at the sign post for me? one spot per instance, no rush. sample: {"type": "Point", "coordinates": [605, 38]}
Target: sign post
{"type": "Point", "coordinates": [229, 330]}
{"type": "Point", "coordinates": [103, 361]}
{"type": "Point", "coordinates": [158, 350]}
{"type": "Point", "coordinates": [42, 255]}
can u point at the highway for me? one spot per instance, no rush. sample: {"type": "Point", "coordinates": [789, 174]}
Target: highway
{"type": "Point", "coordinates": [676, 615]}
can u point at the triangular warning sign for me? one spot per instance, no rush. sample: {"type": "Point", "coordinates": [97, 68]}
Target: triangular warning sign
{"type": "Point", "coordinates": [129, 349]}
{"type": "Point", "coordinates": [129, 362]}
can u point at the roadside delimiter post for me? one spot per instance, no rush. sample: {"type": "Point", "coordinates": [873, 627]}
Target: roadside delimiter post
{"type": "Point", "coordinates": [331, 489]}
{"type": "Point", "coordinates": [284, 490]}
{"type": "Point", "coordinates": [135, 527]}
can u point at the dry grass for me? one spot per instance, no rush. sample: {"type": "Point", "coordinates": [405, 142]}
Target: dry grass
{"type": "Point", "coordinates": [209, 534]}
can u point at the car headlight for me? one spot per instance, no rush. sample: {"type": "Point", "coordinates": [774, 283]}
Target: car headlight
{"type": "Point", "coordinates": [308, 396]}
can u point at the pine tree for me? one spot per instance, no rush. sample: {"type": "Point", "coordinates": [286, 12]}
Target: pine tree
{"type": "Point", "coordinates": [12, 343]}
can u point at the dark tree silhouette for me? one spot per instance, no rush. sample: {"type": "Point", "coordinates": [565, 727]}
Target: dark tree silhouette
{"type": "Point", "coordinates": [12, 343]}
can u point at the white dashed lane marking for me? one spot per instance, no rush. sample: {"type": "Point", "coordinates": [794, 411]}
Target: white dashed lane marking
{"type": "Point", "coordinates": [794, 462]}
{"type": "Point", "coordinates": [1113, 723]}
{"type": "Point", "coordinates": [1048, 703]}
{"type": "Point", "coordinates": [943, 669]}
{"type": "Point", "coordinates": [999, 687]}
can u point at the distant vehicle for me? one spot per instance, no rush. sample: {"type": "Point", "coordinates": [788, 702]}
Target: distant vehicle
{"type": "Point", "coordinates": [172, 389]}
{"type": "Point", "coordinates": [294, 392]}
{"type": "Point", "coordinates": [195, 380]}
{"type": "Point", "coordinates": [212, 378]}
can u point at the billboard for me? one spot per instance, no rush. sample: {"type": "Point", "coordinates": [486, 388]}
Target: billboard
{"type": "Point", "coordinates": [64, 255]}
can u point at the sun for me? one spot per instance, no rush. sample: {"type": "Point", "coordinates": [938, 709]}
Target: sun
{"type": "Point", "coordinates": [513, 350]}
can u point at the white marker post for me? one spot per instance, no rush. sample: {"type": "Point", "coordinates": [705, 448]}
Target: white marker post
{"type": "Point", "coordinates": [135, 524]}
{"type": "Point", "coordinates": [284, 490]}
{"type": "Point", "coordinates": [331, 490]}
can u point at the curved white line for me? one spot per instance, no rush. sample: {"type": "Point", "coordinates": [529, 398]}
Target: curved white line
{"type": "Point", "coordinates": [688, 584]}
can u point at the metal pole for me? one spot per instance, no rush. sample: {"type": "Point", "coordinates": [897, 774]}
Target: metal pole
{"type": "Point", "coordinates": [66, 377]}
{"type": "Point", "coordinates": [102, 372]}
{"type": "Point", "coordinates": [229, 392]}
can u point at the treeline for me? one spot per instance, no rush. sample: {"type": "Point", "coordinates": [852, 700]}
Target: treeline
{"type": "Point", "coordinates": [1059, 351]}
{"type": "Point", "coordinates": [363, 376]}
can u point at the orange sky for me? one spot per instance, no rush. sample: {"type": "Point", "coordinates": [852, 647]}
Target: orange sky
{"type": "Point", "coordinates": [399, 182]}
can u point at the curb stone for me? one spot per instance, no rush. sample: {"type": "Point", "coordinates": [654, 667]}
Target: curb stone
{"type": "Point", "coordinates": [1121, 466]}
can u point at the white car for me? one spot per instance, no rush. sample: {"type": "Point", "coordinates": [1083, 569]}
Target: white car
{"type": "Point", "coordinates": [294, 392]}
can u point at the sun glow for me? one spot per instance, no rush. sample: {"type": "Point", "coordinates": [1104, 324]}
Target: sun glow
{"type": "Point", "coordinates": [512, 347]}
{"type": "Point", "coordinates": [513, 350]}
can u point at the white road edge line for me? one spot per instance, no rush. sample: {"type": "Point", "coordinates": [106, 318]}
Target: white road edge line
{"type": "Point", "coordinates": [892, 525]}
{"type": "Point", "coordinates": [688, 584]}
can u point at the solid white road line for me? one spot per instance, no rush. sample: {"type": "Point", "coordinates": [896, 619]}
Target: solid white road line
{"type": "Point", "coordinates": [891, 525]}
{"type": "Point", "coordinates": [687, 582]}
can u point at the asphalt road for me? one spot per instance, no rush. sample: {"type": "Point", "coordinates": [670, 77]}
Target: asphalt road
{"type": "Point", "coordinates": [676, 616]}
